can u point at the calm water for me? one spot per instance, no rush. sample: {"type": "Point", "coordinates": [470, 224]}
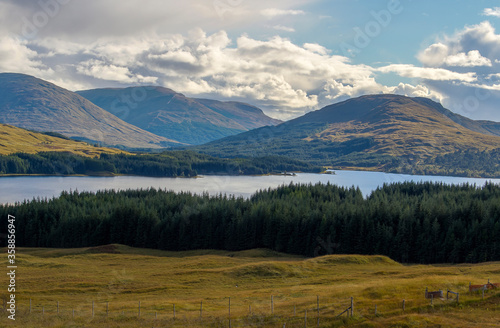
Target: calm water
{"type": "Point", "coordinates": [14, 189]}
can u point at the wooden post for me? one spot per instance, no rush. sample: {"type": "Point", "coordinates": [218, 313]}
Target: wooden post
{"type": "Point", "coordinates": [294, 310]}
{"type": "Point", "coordinates": [43, 310]}
{"type": "Point", "coordinates": [432, 298]}
{"type": "Point", "coordinates": [470, 283]}
{"type": "Point", "coordinates": [229, 312]}
{"type": "Point", "coordinates": [404, 305]}
{"type": "Point", "coordinates": [139, 308]}
{"type": "Point", "coordinates": [483, 293]}
{"type": "Point", "coordinates": [352, 306]}
{"type": "Point", "coordinates": [30, 306]}
{"type": "Point", "coordinates": [201, 309]}
{"type": "Point", "coordinates": [73, 312]}
{"type": "Point", "coordinates": [458, 298]}
{"type": "Point", "coordinates": [57, 307]}
{"type": "Point", "coordinates": [317, 304]}
{"type": "Point", "coordinates": [107, 309]}
{"type": "Point", "coordinates": [156, 315]}
{"type": "Point", "coordinates": [272, 304]}
{"type": "Point", "coordinates": [305, 319]}
{"type": "Point", "coordinates": [174, 310]}
{"type": "Point", "coordinates": [250, 309]}
{"type": "Point", "coordinates": [375, 309]}
{"type": "Point", "coordinates": [92, 309]}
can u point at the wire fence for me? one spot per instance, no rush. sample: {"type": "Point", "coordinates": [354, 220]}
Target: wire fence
{"type": "Point", "coordinates": [277, 310]}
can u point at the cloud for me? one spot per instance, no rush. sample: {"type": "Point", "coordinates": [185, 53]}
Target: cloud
{"type": "Point", "coordinates": [472, 52]}
{"type": "Point", "coordinates": [492, 12]}
{"type": "Point", "coordinates": [283, 28]}
{"type": "Point", "coordinates": [275, 12]}
{"type": "Point", "coordinates": [435, 74]}
{"type": "Point", "coordinates": [100, 70]}
{"type": "Point", "coordinates": [16, 56]}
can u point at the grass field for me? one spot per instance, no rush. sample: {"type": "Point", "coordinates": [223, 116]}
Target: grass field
{"type": "Point", "coordinates": [265, 289]}
{"type": "Point", "coordinates": [14, 140]}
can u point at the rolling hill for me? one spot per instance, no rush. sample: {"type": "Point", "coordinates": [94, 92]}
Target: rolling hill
{"type": "Point", "coordinates": [377, 132]}
{"type": "Point", "coordinates": [172, 115]}
{"type": "Point", "coordinates": [34, 104]}
{"type": "Point", "coordinates": [15, 140]}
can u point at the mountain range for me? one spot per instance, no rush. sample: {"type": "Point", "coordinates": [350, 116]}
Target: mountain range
{"type": "Point", "coordinates": [35, 104]}
{"type": "Point", "coordinates": [377, 132]}
{"type": "Point", "coordinates": [172, 115]}
{"type": "Point", "coordinates": [371, 131]}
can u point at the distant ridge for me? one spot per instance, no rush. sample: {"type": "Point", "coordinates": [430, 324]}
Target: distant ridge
{"type": "Point", "coordinates": [35, 104]}
{"type": "Point", "coordinates": [172, 115]}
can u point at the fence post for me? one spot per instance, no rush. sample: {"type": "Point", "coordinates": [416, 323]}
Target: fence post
{"type": "Point", "coordinates": [92, 309]}
{"type": "Point", "coordinates": [352, 306]}
{"type": "Point", "coordinates": [107, 309]}
{"type": "Point", "coordinates": [73, 310]}
{"type": "Point", "coordinates": [30, 306]}
{"type": "Point", "coordinates": [483, 293]}
{"type": "Point", "coordinates": [375, 309]}
{"type": "Point", "coordinates": [229, 312]}
{"type": "Point", "coordinates": [305, 319]}
{"type": "Point", "coordinates": [272, 304]}
{"type": "Point", "coordinates": [174, 310]}
{"type": "Point", "coordinates": [201, 309]}
{"type": "Point", "coordinates": [432, 298]}
{"type": "Point", "coordinates": [317, 304]}
{"type": "Point", "coordinates": [404, 305]}
{"type": "Point", "coordinates": [458, 298]}
{"type": "Point", "coordinates": [139, 308]}
{"type": "Point", "coordinates": [294, 310]}
{"type": "Point", "coordinates": [43, 310]}
{"type": "Point", "coordinates": [57, 307]}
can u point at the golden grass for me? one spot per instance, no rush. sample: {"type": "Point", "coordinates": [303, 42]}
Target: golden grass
{"type": "Point", "coordinates": [14, 140]}
{"type": "Point", "coordinates": [120, 277]}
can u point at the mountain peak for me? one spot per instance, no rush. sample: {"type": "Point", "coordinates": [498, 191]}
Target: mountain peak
{"type": "Point", "coordinates": [370, 131]}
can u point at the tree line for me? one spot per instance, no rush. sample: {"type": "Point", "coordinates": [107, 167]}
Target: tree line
{"type": "Point", "coordinates": [165, 164]}
{"type": "Point", "coordinates": [409, 222]}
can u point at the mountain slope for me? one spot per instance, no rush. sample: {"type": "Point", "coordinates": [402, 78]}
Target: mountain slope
{"type": "Point", "coordinates": [31, 103]}
{"type": "Point", "coordinates": [15, 140]}
{"type": "Point", "coordinates": [166, 113]}
{"type": "Point", "coordinates": [371, 131]}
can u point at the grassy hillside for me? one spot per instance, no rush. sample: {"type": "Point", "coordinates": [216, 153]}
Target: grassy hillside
{"type": "Point", "coordinates": [15, 140]}
{"type": "Point", "coordinates": [118, 277]}
{"type": "Point", "coordinates": [377, 132]}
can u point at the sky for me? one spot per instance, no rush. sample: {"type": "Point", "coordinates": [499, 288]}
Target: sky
{"type": "Point", "coordinates": [287, 57]}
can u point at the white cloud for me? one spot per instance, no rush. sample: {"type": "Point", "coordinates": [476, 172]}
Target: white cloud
{"type": "Point", "coordinates": [426, 73]}
{"type": "Point", "coordinates": [17, 57]}
{"type": "Point", "coordinates": [471, 59]}
{"type": "Point", "coordinates": [475, 51]}
{"type": "Point", "coordinates": [275, 12]}
{"type": "Point", "coordinates": [416, 91]}
{"type": "Point", "coordinates": [100, 70]}
{"type": "Point", "coordinates": [492, 12]}
{"type": "Point", "coordinates": [440, 54]}
{"type": "Point", "coordinates": [283, 28]}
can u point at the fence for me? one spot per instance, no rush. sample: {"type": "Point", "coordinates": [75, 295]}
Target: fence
{"type": "Point", "coordinates": [280, 310]}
